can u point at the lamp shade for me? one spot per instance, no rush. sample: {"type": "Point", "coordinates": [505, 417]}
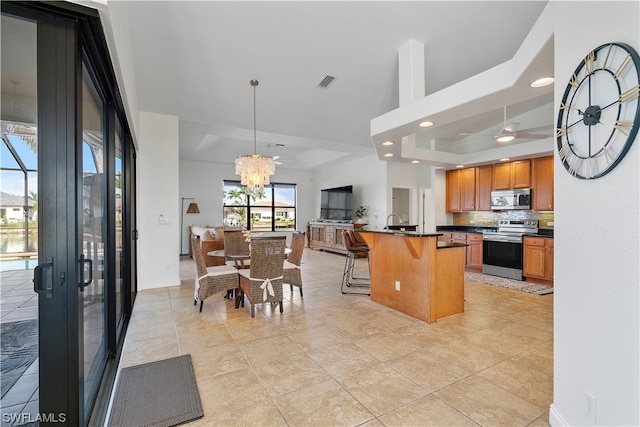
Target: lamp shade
{"type": "Point", "coordinates": [193, 208]}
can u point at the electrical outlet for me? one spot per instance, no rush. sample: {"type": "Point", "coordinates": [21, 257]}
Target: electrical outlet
{"type": "Point", "coordinates": [397, 285]}
{"type": "Point", "coordinates": [590, 406]}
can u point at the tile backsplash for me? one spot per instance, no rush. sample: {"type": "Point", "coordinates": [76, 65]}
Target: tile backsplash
{"type": "Point", "coordinates": [490, 219]}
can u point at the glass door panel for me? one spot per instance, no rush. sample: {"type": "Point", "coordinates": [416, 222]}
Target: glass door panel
{"type": "Point", "coordinates": [92, 200]}
{"type": "Point", "coordinates": [18, 221]}
{"type": "Point", "coordinates": [119, 224]}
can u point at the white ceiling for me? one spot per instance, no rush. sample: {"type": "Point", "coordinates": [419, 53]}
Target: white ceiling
{"type": "Point", "coordinates": [194, 60]}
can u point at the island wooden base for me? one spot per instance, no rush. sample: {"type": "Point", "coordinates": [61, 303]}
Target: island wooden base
{"type": "Point", "coordinates": [410, 274]}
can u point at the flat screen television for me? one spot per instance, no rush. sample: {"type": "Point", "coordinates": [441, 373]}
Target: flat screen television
{"type": "Point", "coordinates": [336, 203]}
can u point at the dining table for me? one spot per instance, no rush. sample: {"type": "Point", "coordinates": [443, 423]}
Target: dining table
{"type": "Point", "coordinates": [239, 259]}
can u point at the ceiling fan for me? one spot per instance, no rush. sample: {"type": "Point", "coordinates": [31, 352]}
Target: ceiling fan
{"type": "Point", "coordinates": [510, 132]}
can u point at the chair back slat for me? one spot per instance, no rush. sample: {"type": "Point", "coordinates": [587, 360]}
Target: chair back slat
{"type": "Point", "coordinates": [297, 247]}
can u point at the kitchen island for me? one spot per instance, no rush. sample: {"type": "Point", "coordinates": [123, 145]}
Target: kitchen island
{"type": "Point", "coordinates": [414, 273]}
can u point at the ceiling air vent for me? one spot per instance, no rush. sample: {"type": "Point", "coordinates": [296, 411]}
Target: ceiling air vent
{"type": "Point", "coordinates": [326, 81]}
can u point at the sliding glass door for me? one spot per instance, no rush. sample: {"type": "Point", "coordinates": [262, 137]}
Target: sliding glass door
{"type": "Point", "coordinates": [85, 277]}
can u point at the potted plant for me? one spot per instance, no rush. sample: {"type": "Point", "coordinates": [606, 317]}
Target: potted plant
{"type": "Point", "coordinates": [361, 214]}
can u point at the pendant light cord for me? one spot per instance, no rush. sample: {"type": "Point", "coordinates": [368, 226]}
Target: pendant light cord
{"type": "Point", "coordinates": [254, 83]}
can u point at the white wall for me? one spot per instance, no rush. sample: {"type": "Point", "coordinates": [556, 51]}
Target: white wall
{"type": "Point", "coordinates": [204, 182]}
{"type": "Point", "coordinates": [369, 179]}
{"type": "Point", "coordinates": [597, 239]}
{"type": "Point", "coordinates": [157, 194]}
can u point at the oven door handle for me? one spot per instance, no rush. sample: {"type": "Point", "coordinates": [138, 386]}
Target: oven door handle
{"type": "Point", "coordinates": [507, 239]}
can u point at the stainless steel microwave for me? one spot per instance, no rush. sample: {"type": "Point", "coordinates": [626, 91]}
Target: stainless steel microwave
{"type": "Point", "coordinates": [511, 199]}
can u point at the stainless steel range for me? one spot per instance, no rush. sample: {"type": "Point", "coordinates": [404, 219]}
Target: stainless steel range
{"type": "Point", "coordinates": [502, 249]}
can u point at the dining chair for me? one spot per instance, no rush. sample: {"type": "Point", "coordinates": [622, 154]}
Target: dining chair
{"type": "Point", "coordinates": [236, 249]}
{"type": "Point", "coordinates": [355, 249]}
{"type": "Point", "coordinates": [291, 269]}
{"type": "Point", "coordinates": [262, 281]}
{"type": "Point", "coordinates": [211, 280]}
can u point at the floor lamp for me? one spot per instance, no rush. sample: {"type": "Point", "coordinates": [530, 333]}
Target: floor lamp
{"type": "Point", "coordinates": [192, 209]}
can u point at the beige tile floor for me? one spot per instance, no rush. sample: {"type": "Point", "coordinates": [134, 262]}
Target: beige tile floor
{"type": "Point", "coordinates": [342, 360]}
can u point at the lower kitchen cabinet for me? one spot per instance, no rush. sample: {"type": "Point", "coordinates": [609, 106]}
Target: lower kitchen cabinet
{"type": "Point", "coordinates": [473, 254]}
{"type": "Point", "coordinates": [538, 259]}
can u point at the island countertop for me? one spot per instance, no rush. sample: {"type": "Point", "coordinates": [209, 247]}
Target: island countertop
{"type": "Point", "coordinates": [410, 274]}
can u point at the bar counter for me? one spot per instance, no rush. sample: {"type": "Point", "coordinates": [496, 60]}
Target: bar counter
{"type": "Point", "coordinates": [414, 273]}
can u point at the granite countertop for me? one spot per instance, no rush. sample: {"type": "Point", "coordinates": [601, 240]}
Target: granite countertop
{"type": "Point", "coordinates": [402, 233]}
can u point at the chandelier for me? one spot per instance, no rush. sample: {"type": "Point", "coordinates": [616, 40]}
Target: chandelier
{"type": "Point", "coordinates": [254, 169]}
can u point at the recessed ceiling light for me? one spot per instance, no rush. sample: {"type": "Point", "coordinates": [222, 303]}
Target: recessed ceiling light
{"type": "Point", "coordinates": [506, 159]}
{"type": "Point", "coordinates": [389, 155]}
{"type": "Point", "coordinates": [545, 81]}
{"type": "Point", "coordinates": [387, 143]}
{"type": "Point", "coordinates": [426, 124]}
{"type": "Point", "coordinates": [459, 166]}
{"type": "Point", "coordinates": [415, 161]}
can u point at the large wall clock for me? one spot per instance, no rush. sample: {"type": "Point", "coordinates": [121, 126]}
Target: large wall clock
{"type": "Point", "coordinates": [599, 116]}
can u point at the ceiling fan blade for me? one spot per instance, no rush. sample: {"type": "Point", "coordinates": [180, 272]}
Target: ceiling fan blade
{"type": "Point", "coordinates": [531, 136]}
{"type": "Point", "coordinates": [538, 129]}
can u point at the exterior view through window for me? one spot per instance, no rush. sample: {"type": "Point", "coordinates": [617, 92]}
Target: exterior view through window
{"type": "Point", "coordinates": [272, 210]}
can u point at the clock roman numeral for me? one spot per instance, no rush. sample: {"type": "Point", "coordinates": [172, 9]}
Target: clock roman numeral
{"type": "Point", "coordinates": [564, 106]}
{"type": "Point", "coordinates": [590, 62]}
{"type": "Point", "coordinates": [630, 94]}
{"type": "Point", "coordinates": [606, 58]}
{"type": "Point", "coordinates": [623, 127]}
{"type": "Point", "coordinates": [574, 165]}
{"type": "Point", "coordinates": [606, 152]}
{"type": "Point", "coordinates": [592, 168]}
{"type": "Point", "coordinates": [560, 132]}
{"type": "Point", "coordinates": [622, 67]}
{"type": "Point", "coordinates": [564, 150]}
{"type": "Point", "coordinates": [574, 81]}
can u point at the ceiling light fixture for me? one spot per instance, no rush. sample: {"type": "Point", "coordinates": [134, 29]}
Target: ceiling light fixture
{"type": "Point", "coordinates": [415, 161]}
{"type": "Point", "coordinates": [389, 155]}
{"type": "Point", "coordinates": [505, 159]}
{"type": "Point", "coordinates": [387, 143]}
{"type": "Point", "coordinates": [255, 169]}
{"type": "Point", "coordinates": [505, 137]}
{"type": "Point", "coordinates": [506, 134]}
{"type": "Point", "coordinates": [426, 124]}
{"type": "Point", "coordinates": [544, 81]}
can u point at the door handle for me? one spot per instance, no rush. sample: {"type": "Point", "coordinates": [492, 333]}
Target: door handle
{"type": "Point", "coordinates": [43, 282]}
{"type": "Point", "coordinates": [85, 264]}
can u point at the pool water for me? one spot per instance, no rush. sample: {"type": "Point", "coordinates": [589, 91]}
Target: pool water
{"type": "Point", "coordinates": [18, 264]}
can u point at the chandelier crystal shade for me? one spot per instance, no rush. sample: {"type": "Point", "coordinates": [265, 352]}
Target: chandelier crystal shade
{"type": "Point", "coordinates": [254, 169]}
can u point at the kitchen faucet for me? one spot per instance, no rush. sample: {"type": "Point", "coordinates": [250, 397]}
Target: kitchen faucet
{"type": "Point", "coordinates": [392, 215]}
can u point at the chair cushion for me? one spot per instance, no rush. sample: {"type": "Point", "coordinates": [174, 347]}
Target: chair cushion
{"type": "Point", "coordinates": [289, 265]}
{"type": "Point", "coordinates": [219, 270]}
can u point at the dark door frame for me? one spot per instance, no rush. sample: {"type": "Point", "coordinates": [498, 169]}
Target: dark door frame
{"type": "Point", "coordinates": [64, 32]}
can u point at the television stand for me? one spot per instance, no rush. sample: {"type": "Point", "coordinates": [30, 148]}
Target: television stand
{"type": "Point", "coordinates": [328, 236]}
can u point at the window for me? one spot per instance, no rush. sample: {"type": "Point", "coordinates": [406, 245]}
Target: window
{"type": "Point", "coordinates": [272, 210]}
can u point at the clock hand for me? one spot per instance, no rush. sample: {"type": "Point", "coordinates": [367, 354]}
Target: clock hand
{"type": "Point", "coordinates": [607, 106]}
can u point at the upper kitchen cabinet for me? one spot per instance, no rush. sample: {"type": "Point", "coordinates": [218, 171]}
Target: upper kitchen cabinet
{"type": "Point", "coordinates": [542, 183]}
{"type": "Point", "coordinates": [461, 190]}
{"type": "Point", "coordinates": [483, 188]}
{"type": "Point", "coordinates": [509, 175]}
